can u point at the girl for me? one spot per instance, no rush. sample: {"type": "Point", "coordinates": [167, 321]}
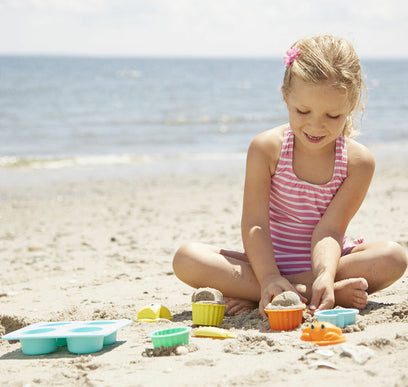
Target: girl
{"type": "Point", "coordinates": [304, 183]}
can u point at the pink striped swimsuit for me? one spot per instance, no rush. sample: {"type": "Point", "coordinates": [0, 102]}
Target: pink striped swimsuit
{"type": "Point", "coordinates": [296, 206]}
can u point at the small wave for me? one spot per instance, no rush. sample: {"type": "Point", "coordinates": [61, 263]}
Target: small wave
{"type": "Point", "coordinates": [206, 120]}
{"type": "Point", "coordinates": [108, 160]}
{"type": "Point", "coordinates": [129, 74]}
{"type": "Point", "coordinates": [216, 156]}
{"type": "Point", "coordinates": [76, 161]}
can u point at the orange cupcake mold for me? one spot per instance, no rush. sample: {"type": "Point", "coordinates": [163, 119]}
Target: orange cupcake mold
{"type": "Point", "coordinates": [284, 319]}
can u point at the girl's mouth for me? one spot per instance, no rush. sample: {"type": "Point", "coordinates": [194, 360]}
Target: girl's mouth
{"type": "Point", "coordinates": [314, 139]}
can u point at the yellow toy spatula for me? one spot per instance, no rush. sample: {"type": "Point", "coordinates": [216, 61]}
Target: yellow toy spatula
{"type": "Point", "coordinates": [213, 332]}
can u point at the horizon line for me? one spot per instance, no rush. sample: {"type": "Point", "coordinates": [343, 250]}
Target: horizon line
{"type": "Point", "coordinates": [169, 56]}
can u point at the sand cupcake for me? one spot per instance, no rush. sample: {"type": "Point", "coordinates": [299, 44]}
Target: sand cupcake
{"type": "Point", "coordinates": [285, 312]}
{"type": "Point", "coordinates": [208, 307]}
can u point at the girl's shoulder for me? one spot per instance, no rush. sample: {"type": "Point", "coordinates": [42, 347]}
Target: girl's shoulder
{"type": "Point", "coordinates": [266, 147]}
{"type": "Point", "coordinates": [270, 141]}
{"type": "Point", "coordinates": [359, 157]}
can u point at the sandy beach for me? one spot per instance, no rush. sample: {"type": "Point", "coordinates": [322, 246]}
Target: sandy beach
{"type": "Point", "coordinates": [91, 246]}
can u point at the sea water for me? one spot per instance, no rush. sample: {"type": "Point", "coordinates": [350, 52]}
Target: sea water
{"type": "Point", "coordinates": [58, 112]}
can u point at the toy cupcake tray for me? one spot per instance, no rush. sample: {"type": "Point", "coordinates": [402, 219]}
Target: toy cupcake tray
{"type": "Point", "coordinates": [79, 336]}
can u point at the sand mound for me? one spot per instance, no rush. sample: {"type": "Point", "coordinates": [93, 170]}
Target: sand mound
{"type": "Point", "coordinates": [208, 296]}
{"type": "Point", "coordinates": [285, 300]}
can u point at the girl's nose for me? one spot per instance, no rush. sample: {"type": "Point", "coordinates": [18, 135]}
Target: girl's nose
{"type": "Point", "coordinates": [316, 125]}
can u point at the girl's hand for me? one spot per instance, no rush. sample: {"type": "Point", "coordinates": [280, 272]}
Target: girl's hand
{"type": "Point", "coordinates": [322, 293]}
{"type": "Point", "coordinates": [274, 285]}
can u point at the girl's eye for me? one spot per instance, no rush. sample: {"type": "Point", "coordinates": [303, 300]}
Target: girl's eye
{"type": "Point", "coordinates": [301, 112]}
{"type": "Point", "coordinates": [333, 117]}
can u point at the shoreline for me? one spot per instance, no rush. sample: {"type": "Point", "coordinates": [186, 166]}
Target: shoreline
{"type": "Point", "coordinates": [14, 171]}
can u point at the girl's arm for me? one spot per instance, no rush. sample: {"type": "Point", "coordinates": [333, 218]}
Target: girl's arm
{"type": "Point", "coordinates": [327, 239]}
{"type": "Point", "coordinates": [262, 159]}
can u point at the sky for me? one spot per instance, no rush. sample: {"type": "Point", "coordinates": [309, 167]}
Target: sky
{"type": "Point", "coordinates": [198, 28]}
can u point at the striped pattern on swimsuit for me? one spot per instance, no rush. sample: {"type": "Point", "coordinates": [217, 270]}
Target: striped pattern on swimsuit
{"type": "Point", "coordinates": [296, 206]}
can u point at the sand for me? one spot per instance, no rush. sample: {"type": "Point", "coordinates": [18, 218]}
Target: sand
{"type": "Point", "coordinates": [85, 244]}
{"type": "Point", "coordinates": [207, 296]}
{"type": "Point", "coordinates": [285, 300]}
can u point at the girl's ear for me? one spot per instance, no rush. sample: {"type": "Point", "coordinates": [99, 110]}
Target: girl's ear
{"type": "Point", "coordinates": [283, 94]}
{"type": "Point", "coordinates": [352, 108]}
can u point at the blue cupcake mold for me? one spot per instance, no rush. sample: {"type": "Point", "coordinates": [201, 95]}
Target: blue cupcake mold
{"type": "Point", "coordinates": [79, 336]}
{"type": "Point", "coordinates": [31, 345]}
{"type": "Point", "coordinates": [338, 317]}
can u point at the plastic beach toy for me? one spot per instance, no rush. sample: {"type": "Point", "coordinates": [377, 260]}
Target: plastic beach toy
{"type": "Point", "coordinates": [323, 333]}
{"type": "Point", "coordinates": [170, 337]}
{"type": "Point", "coordinates": [285, 319]}
{"type": "Point", "coordinates": [208, 314]}
{"type": "Point", "coordinates": [79, 336]}
{"type": "Point", "coordinates": [285, 311]}
{"type": "Point", "coordinates": [213, 332]}
{"type": "Point", "coordinates": [338, 317]}
{"type": "Point", "coordinates": [153, 313]}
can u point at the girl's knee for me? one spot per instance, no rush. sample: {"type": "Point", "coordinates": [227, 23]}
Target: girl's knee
{"type": "Point", "coordinates": [184, 260]}
{"type": "Point", "coordinates": [181, 257]}
{"type": "Point", "coordinates": [397, 256]}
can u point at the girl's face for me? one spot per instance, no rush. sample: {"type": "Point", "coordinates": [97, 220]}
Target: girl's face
{"type": "Point", "coordinates": [317, 113]}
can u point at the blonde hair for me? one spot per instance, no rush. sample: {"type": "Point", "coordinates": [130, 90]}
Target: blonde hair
{"type": "Point", "coordinates": [328, 58]}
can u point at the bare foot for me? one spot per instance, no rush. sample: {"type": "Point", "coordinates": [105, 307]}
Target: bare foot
{"type": "Point", "coordinates": [236, 306]}
{"type": "Point", "coordinates": [351, 293]}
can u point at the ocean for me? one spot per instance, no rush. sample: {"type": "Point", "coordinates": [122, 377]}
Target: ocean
{"type": "Point", "coordinates": [59, 112]}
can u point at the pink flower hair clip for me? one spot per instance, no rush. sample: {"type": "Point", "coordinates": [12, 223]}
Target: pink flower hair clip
{"type": "Point", "coordinates": [291, 55]}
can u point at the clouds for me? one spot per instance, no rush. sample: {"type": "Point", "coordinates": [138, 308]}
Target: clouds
{"type": "Point", "coordinates": [55, 6]}
{"type": "Point", "coordinates": [196, 27]}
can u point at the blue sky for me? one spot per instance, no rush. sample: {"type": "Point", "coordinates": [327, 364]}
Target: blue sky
{"type": "Point", "coordinates": [197, 27]}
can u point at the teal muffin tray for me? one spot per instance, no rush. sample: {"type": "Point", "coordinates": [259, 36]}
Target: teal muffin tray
{"type": "Point", "coordinates": [79, 336]}
{"type": "Point", "coordinates": [338, 317]}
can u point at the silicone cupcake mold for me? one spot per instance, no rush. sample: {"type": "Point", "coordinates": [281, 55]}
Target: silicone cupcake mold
{"type": "Point", "coordinates": [285, 311]}
{"type": "Point", "coordinates": [170, 337]}
{"type": "Point", "coordinates": [338, 317]}
{"type": "Point", "coordinates": [79, 336]}
{"type": "Point", "coordinates": [285, 319]}
{"type": "Point", "coordinates": [208, 314]}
